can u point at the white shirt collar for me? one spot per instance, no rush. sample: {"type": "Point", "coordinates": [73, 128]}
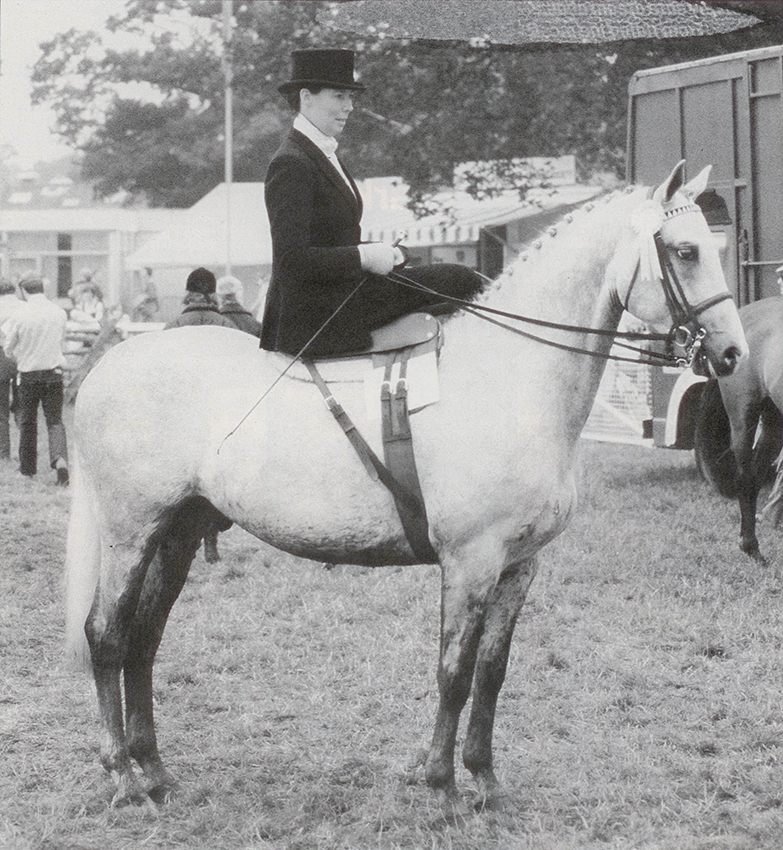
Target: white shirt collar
{"type": "Point", "coordinates": [326, 144]}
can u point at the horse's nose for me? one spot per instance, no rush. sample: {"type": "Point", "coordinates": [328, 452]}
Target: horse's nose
{"type": "Point", "coordinates": [730, 360]}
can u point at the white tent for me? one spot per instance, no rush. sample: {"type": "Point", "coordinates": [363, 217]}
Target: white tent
{"type": "Point", "coordinates": [199, 237]}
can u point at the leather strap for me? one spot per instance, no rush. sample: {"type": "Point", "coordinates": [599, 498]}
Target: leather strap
{"type": "Point", "coordinates": [399, 456]}
{"type": "Point", "coordinates": [410, 505]}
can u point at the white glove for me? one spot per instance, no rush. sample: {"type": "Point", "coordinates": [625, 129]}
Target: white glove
{"type": "Point", "coordinates": [379, 258]}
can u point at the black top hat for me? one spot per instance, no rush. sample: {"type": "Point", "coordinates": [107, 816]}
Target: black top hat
{"type": "Point", "coordinates": [201, 280]}
{"type": "Point", "coordinates": [331, 69]}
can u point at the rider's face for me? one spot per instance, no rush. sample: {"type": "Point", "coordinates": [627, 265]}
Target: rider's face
{"type": "Point", "coordinates": [328, 110]}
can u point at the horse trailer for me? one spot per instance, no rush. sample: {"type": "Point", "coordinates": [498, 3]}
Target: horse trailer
{"type": "Point", "coordinates": [725, 111]}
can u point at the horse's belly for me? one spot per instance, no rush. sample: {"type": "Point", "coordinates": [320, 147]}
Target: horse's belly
{"type": "Point", "coordinates": [303, 489]}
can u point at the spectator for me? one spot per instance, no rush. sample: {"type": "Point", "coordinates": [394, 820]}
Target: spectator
{"type": "Point", "coordinates": [200, 305]}
{"type": "Point", "coordinates": [33, 336]}
{"type": "Point", "coordinates": [145, 304]}
{"type": "Point", "coordinates": [229, 294]}
{"type": "Point", "coordinates": [88, 306]}
{"type": "Point", "coordinates": [84, 295]}
{"type": "Point", "coordinates": [9, 304]}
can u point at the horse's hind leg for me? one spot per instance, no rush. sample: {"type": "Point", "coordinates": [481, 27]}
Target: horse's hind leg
{"type": "Point", "coordinates": [502, 612]}
{"type": "Point", "coordinates": [165, 578]}
{"type": "Point", "coordinates": [107, 629]}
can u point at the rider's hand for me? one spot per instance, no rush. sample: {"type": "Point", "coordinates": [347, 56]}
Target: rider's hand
{"type": "Point", "coordinates": [400, 256]}
{"type": "Point", "coordinates": [378, 258]}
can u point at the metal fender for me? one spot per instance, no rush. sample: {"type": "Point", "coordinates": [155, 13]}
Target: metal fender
{"type": "Point", "coordinates": [682, 387]}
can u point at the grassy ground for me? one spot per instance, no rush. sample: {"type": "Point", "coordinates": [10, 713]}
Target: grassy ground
{"type": "Point", "coordinates": [641, 710]}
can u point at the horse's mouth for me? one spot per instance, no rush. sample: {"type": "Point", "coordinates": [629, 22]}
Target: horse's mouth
{"type": "Point", "coordinates": [717, 367]}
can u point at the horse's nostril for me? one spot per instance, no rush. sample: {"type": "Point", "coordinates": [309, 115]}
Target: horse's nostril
{"type": "Point", "coordinates": [732, 357]}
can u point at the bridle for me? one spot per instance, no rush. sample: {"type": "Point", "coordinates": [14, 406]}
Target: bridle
{"type": "Point", "coordinates": [682, 344]}
{"type": "Point", "coordinates": [687, 333]}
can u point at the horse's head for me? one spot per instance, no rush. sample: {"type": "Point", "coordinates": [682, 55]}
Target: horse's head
{"type": "Point", "coordinates": [678, 280]}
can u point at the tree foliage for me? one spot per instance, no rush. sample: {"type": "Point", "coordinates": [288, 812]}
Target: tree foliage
{"type": "Point", "coordinates": [149, 117]}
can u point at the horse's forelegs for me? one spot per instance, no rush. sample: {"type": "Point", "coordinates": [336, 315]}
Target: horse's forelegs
{"type": "Point", "coordinates": [165, 579]}
{"type": "Point", "coordinates": [502, 611]}
{"type": "Point", "coordinates": [743, 431]}
{"type": "Point", "coordinates": [463, 603]}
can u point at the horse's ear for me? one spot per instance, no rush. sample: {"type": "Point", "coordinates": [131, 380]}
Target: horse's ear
{"type": "Point", "coordinates": [694, 188]}
{"type": "Point", "coordinates": [665, 192]}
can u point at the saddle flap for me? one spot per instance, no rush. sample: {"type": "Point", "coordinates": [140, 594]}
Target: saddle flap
{"type": "Point", "coordinates": [412, 329]}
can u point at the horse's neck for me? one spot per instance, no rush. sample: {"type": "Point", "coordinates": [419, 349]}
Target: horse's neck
{"type": "Point", "coordinates": [561, 278]}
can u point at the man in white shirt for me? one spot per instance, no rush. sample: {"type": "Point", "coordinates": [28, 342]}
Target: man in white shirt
{"type": "Point", "coordinates": [33, 336]}
{"type": "Point", "coordinates": [9, 304]}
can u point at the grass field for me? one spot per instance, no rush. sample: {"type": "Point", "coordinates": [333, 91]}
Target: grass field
{"type": "Point", "coordinates": [642, 710]}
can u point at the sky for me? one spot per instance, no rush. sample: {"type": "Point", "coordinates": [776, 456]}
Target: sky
{"type": "Point", "coordinates": [24, 24]}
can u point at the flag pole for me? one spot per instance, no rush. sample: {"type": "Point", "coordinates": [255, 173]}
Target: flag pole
{"type": "Point", "coordinates": [228, 132]}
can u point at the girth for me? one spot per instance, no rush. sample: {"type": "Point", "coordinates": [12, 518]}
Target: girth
{"type": "Point", "coordinates": [398, 474]}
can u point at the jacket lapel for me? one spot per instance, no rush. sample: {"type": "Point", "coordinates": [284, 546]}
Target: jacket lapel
{"type": "Point", "coordinates": [327, 169]}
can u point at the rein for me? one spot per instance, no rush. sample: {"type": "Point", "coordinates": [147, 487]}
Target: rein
{"type": "Point", "coordinates": [686, 332]}
{"type": "Point", "coordinates": [479, 310]}
{"type": "Point", "coordinates": [655, 358]}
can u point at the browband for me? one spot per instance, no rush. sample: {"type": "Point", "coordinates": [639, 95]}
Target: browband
{"type": "Point", "coordinates": [685, 208]}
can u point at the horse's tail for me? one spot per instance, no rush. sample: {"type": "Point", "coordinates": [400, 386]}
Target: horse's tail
{"type": "Point", "coordinates": [712, 440]}
{"type": "Point", "coordinates": [82, 566]}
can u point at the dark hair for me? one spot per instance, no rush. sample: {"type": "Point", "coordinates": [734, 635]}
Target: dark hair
{"type": "Point", "coordinates": [6, 287]}
{"type": "Point", "coordinates": [32, 285]}
{"type": "Point", "coordinates": [294, 98]}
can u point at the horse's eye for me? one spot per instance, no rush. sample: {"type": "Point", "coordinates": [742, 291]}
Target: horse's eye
{"type": "Point", "coordinates": [688, 253]}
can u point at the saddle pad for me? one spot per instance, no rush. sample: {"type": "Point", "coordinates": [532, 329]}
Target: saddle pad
{"type": "Point", "coordinates": [422, 377]}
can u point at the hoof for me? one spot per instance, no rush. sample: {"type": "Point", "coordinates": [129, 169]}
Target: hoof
{"type": "Point", "coordinates": [440, 777]}
{"type": "Point", "coordinates": [163, 793]}
{"type": "Point", "coordinates": [130, 793]}
{"type": "Point", "coordinates": [159, 785]}
{"type": "Point", "coordinates": [489, 795]}
{"type": "Point", "coordinates": [750, 546]}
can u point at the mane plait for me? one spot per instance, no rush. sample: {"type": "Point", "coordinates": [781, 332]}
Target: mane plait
{"type": "Point", "coordinates": [561, 226]}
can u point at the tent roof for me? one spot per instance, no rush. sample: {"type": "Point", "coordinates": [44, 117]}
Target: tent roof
{"type": "Point", "coordinates": [386, 217]}
{"type": "Point", "coordinates": [198, 237]}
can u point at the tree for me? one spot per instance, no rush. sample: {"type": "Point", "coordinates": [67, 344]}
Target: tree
{"type": "Point", "coordinates": [429, 106]}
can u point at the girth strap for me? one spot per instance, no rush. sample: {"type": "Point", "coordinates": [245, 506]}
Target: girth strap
{"type": "Point", "coordinates": [410, 505]}
{"type": "Point", "coordinates": [398, 453]}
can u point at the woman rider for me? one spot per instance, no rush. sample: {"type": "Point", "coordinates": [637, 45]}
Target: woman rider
{"type": "Point", "coordinates": [315, 210]}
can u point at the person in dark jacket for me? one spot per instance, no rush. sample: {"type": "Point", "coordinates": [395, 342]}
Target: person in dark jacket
{"type": "Point", "coordinates": [315, 209]}
{"type": "Point", "coordinates": [200, 305]}
{"type": "Point", "coordinates": [229, 294]}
